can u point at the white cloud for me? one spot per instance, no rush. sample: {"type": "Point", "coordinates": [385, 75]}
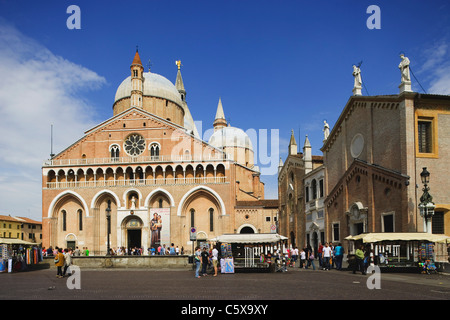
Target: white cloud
{"type": "Point", "coordinates": [37, 89]}
{"type": "Point", "coordinates": [441, 84]}
{"type": "Point", "coordinates": [436, 67]}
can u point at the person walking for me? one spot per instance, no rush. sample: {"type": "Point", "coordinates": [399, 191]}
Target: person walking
{"type": "Point", "coordinates": [215, 258]}
{"type": "Point", "coordinates": [359, 260]}
{"type": "Point", "coordinates": [320, 254]}
{"type": "Point", "coordinates": [339, 254]}
{"type": "Point", "coordinates": [172, 250]}
{"type": "Point", "coordinates": [302, 259]}
{"type": "Point", "coordinates": [67, 261]}
{"type": "Point", "coordinates": [197, 257]}
{"type": "Point", "coordinates": [311, 261]}
{"type": "Point", "coordinates": [205, 258]}
{"type": "Point", "coordinates": [59, 263]}
{"type": "Point", "coordinates": [326, 256]}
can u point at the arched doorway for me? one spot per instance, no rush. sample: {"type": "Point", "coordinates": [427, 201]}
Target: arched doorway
{"type": "Point", "coordinates": [247, 230]}
{"type": "Point", "coordinates": [132, 227]}
{"type": "Point", "coordinates": [292, 234]}
{"type": "Point", "coordinates": [315, 241]}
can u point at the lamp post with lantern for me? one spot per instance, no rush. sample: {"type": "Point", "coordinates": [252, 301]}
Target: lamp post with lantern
{"type": "Point", "coordinates": [426, 205]}
{"type": "Point", "coordinates": [108, 219]}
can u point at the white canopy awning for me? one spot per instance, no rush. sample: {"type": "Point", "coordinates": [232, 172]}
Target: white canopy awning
{"type": "Point", "coordinates": [250, 238]}
{"type": "Point", "coordinates": [16, 241]}
{"type": "Point", "coordinates": [399, 236]}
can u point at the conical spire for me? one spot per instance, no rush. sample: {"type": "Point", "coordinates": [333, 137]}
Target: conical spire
{"type": "Point", "coordinates": [137, 58]}
{"type": "Point", "coordinates": [307, 155]}
{"type": "Point", "coordinates": [280, 165]}
{"type": "Point", "coordinates": [307, 143]}
{"type": "Point", "coordinates": [219, 112]}
{"type": "Point", "coordinates": [219, 121]}
{"type": "Point", "coordinates": [292, 144]}
{"type": "Point", "coordinates": [179, 82]}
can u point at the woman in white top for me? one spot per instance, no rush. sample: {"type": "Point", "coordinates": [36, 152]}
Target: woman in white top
{"type": "Point", "coordinates": [215, 254]}
{"type": "Point", "coordinates": [326, 254]}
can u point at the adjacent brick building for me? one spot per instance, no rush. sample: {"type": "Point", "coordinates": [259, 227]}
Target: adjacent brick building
{"type": "Point", "coordinates": [373, 159]}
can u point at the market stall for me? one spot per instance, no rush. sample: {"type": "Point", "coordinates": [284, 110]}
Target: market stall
{"type": "Point", "coordinates": [249, 252]}
{"type": "Point", "coordinates": [415, 250]}
{"type": "Point", "coordinates": [18, 255]}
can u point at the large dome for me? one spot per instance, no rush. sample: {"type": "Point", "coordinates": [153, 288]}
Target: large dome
{"type": "Point", "coordinates": [230, 137]}
{"type": "Point", "coordinates": [154, 85]}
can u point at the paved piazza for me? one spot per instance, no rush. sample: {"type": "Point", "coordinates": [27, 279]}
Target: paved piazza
{"type": "Point", "coordinates": [296, 284]}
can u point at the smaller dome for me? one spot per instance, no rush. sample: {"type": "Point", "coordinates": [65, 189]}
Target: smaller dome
{"type": "Point", "coordinates": [230, 137]}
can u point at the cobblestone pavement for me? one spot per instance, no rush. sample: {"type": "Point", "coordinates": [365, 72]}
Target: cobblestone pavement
{"type": "Point", "coordinates": [181, 285]}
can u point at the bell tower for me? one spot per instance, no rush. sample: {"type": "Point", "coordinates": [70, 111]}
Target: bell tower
{"type": "Point", "coordinates": [137, 81]}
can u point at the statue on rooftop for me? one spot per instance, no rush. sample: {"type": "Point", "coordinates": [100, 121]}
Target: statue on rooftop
{"type": "Point", "coordinates": [326, 130]}
{"type": "Point", "coordinates": [404, 68]}
{"type": "Point", "coordinates": [358, 82]}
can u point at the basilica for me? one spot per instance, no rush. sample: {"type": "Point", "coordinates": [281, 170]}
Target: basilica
{"type": "Point", "coordinates": [144, 177]}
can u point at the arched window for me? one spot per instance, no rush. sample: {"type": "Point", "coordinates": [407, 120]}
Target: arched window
{"type": "Point", "coordinates": [154, 151]}
{"type": "Point", "coordinates": [140, 174]}
{"type": "Point", "coordinates": [314, 189]}
{"type": "Point", "coordinates": [80, 219]}
{"type": "Point", "coordinates": [115, 152]}
{"type": "Point", "coordinates": [192, 218]}
{"type": "Point", "coordinates": [321, 188]}
{"type": "Point", "coordinates": [211, 219]}
{"type": "Point", "coordinates": [291, 203]}
{"type": "Point", "coordinates": [64, 220]}
{"type": "Point", "coordinates": [160, 202]}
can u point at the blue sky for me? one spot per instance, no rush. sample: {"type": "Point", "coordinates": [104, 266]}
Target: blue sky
{"type": "Point", "coordinates": [277, 65]}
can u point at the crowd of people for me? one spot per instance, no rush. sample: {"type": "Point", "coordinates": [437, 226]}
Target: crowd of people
{"type": "Point", "coordinates": [63, 261]}
{"type": "Point", "coordinates": [49, 252]}
{"type": "Point", "coordinates": [121, 251]}
{"type": "Point", "coordinates": [203, 258]}
{"type": "Point", "coordinates": [63, 257]}
{"type": "Point", "coordinates": [152, 251]}
{"type": "Point", "coordinates": [328, 255]}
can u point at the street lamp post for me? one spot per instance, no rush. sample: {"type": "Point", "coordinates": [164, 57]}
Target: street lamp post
{"type": "Point", "coordinates": [426, 205]}
{"type": "Point", "coordinates": [108, 219]}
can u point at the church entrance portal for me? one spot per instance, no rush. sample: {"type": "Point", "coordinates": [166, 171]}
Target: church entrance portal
{"type": "Point", "coordinates": [132, 232]}
{"type": "Point", "coordinates": [134, 238]}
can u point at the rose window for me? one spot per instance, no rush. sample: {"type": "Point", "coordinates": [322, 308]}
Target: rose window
{"type": "Point", "coordinates": [134, 145]}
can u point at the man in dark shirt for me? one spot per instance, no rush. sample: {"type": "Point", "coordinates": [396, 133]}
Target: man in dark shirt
{"type": "Point", "coordinates": [205, 258]}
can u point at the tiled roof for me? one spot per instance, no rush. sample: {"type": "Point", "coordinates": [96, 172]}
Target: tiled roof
{"type": "Point", "coordinates": [266, 203]}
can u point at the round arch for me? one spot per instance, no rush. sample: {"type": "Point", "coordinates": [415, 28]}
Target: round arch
{"type": "Point", "coordinates": [147, 200]}
{"type": "Point", "coordinates": [245, 227]}
{"type": "Point", "coordinates": [204, 188]}
{"type": "Point", "coordinates": [62, 195]}
{"type": "Point", "coordinates": [125, 196]}
{"type": "Point", "coordinates": [94, 199]}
